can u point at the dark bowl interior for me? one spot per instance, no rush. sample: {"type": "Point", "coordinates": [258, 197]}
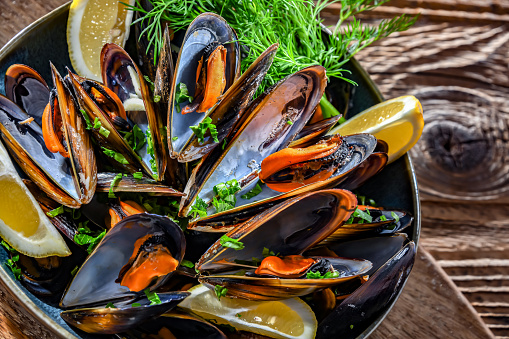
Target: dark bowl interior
{"type": "Point", "coordinates": [45, 41]}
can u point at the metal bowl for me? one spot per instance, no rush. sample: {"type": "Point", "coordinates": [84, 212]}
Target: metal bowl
{"type": "Point", "coordinates": [45, 40]}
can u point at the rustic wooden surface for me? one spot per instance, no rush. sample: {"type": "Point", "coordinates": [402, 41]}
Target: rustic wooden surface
{"type": "Point", "coordinates": [455, 60]}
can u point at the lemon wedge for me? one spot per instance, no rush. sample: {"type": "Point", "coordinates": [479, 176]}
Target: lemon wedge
{"type": "Point", "coordinates": [290, 318]}
{"type": "Point", "coordinates": [23, 225]}
{"type": "Point", "coordinates": [398, 122]}
{"type": "Point", "coordinates": [91, 24]}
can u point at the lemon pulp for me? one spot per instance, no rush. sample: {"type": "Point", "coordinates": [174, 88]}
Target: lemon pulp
{"type": "Point", "coordinates": [101, 16]}
{"type": "Point", "coordinates": [16, 209]}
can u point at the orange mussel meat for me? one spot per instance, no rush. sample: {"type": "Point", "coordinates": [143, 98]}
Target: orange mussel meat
{"type": "Point", "coordinates": [290, 266]}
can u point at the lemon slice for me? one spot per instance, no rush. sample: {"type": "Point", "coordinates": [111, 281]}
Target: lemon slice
{"type": "Point", "coordinates": [91, 24]}
{"type": "Point", "coordinates": [290, 318]}
{"type": "Point", "coordinates": [23, 225]}
{"type": "Point", "coordinates": [398, 122]}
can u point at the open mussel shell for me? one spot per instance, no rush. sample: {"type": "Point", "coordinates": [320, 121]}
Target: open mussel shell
{"type": "Point", "coordinates": [50, 171]}
{"type": "Point", "coordinates": [180, 325]}
{"type": "Point", "coordinates": [265, 130]}
{"type": "Point", "coordinates": [25, 87]}
{"type": "Point", "coordinates": [131, 184]}
{"type": "Point", "coordinates": [82, 157]}
{"type": "Point", "coordinates": [95, 282]}
{"type": "Point", "coordinates": [232, 106]}
{"type": "Point", "coordinates": [288, 228]}
{"type": "Point", "coordinates": [370, 301]}
{"type": "Point", "coordinates": [264, 288]}
{"type": "Point", "coordinates": [363, 146]}
{"type": "Point", "coordinates": [122, 76]}
{"type": "Point", "coordinates": [122, 317]}
{"type": "Point", "coordinates": [358, 230]}
{"type": "Point", "coordinates": [206, 29]}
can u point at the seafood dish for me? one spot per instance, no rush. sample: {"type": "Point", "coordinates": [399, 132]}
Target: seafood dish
{"type": "Point", "coordinates": [171, 184]}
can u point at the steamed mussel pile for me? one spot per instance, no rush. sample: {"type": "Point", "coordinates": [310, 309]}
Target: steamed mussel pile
{"type": "Point", "coordinates": [262, 194]}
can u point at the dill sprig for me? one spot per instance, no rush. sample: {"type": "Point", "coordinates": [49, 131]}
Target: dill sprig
{"type": "Point", "coordinates": [294, 24]}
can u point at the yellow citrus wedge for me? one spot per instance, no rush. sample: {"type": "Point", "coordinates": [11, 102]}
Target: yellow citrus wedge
{"type": "Point", "coordinates": [398, 122]}
{"type": "Point", "coordinates": [23, 225]}
{"type": "Point", "coordinates": [290, 318]}
{"type": "Point", "coordinates": [91, 24]}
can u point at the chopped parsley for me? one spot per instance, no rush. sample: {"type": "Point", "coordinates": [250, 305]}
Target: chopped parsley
{"type": "Point", "coordinates": [103, 131]}
{"type": "Point", "coordinates": [224, 144]}
{"type": "Point", "coordinates": [201, 129]}
{"type": "Point", "coordinates": [238, 315]}
{"type": "Point", "coordinates": [174, 138]}
{"type": "Point", "coordinates": [115, 155]}
{"type": "Point", "coordinates": [253, 193]}
{"type": "Point", "coordinates": [149, 83]}
{"type": "Point", "coordinates": [97, 123]}
{"type": "Point", "coordinates": [395, 216]}
{"type": "Point", "coordinates": [150, 151]}
{"type": "Point", "coordinates": [383, 218]}
{"type": "Point", "coordinates": [57, 211]}
{"type": "Point", "coordinates": [135, 138]}
{"type": "Point", "coordinates": [187, 263]}
{"type": "Point", "coordinates": [220, 291]}
{"type": "Point", "coordinates": [351, 327]}
{"type": "Point", "coordinates": [85, 236]}
{"type": "Point", "coordinates": [114, 182]}
{"type": "Point", "coordinates": [87, 119]}
{"type": "Point", "coordinates": [157, 98]}
{"type": "Point", "coordinates": [317, 275]}
{"type": "Point", "coordinates": [226, 241]}
{"type": "Point", "coordinates": [267, 253]}
{"type": "Point", "coordinates": [199, 208]}
{"type": "Point", "coordinates": [363, 217]}
{"type": "Point", "coordinates": [135, 305]}
{"type": "Point", "coordinates": [182, 94]}
{"type": "Point", "coordinates": [226, 195]}
{"type": "Point", "coordinates": [138, 175]}
{"type": "Point", "coordinates": [74, 271]}
{"type": "Point", "coordinates": [289, 122]}
{"type": "Point", "coordinates": [11, 263]}
{"type": "Point", "coordinates": [110, 305]}
{"type": "Point", "coordinates": [152, 297]}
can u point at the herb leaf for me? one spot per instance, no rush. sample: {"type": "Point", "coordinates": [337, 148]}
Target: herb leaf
{"type": "Point", "coordinates": [152, 296]}
{"type": "Point", "coordinates": [187, 263]}
{"type": "Point", "coordinates": [135, 138]}
{"type": "Point", "coordinates": [57, 211]}
{"type": "Point", "coordinates": [110, 305]}
{"type": "Point", "coordinates": [114, 182]}
{"type": "Point", "coordinates": [115, 155]}
{"type": "Point", "coordinates": [253, 193]}
{"type": "Point", "coordinates": [150, 151]}
{"type": "Point", "coordinates": [201, 129]}
{"type": "Point", "coordinates": [226, 241]}
{"type": "Point", "coordinates": [182, 94]}
{"type": "Point", "coordinates": [86, 237]}
{"type": "Point", "coordinates": [317, 275]}
{"type": "Point", "coordinates": [138, 175]}
{"type": "Point", "coordinates": [199, 208]}
{"type": "Point", "coordinates": [220, 291]}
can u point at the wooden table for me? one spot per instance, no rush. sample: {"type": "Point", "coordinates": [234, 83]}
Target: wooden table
{"type": "Point", "coordinates": [455, 60]}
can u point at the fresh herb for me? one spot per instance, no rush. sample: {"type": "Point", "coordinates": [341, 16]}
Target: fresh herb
{"type": "Point", "coordinates": [395, 217]}
{"type": "Point", "coordinates": [157, 98]}
{"type": "Point", "coordinates": [152, 297]}
{"type": "Point", "coordinates": [187, 263]}
{"type": "Point", "coordinates": [362, 199]}
{"type": "Point", "coordinates": [150, 151]}
{"type": "Point", "coordinates": [199, 208]}
{"type": "Point", "coordinates": [114, 182]}
{"type": "Point", "coordinates": [317, 275]}
{"type": "Point", "coordinates": [135, 138]}
{"type": "Point", "coordinates": [372, 202]}
{"type": "Point", "coordinates": [14, 267]}
{"type": "Point", "coordinates": [253, 262]}
{"type": "Point", "coordinates": [138, 175]}
{"type": "Point", "coordinates": [363, 216]}
{"type": "Point", "coordinates": [87, 119]}
{"type": "Point", "coordinates": [57, 211]}
{"type": "Point", "coordinates": [150, 83]}
{"type": "Point", "coordinates": [253, 193]}
{"type": "Point", "coordinates": [74, 270]}
{"type": "Point", "coordinates": [135, 305]}
{"type": "Point", "coordinates": [182, 94]}
{"type": "Point", "coordinates": [104, 132]}
{"type": "Point", "coordinates": [383, 218]}
{"type": "Point", "coordinates": [351, 327]}
{"type": "Point", "coordinates": [85, 236]}
{"type": "Point", "coordinates": [267, 253]}
{"type": "Point", "coordinates": [117, 156]}
{"type": "Point", "coordinates": [238, 315]}
{"type": "Point", "coordinates": [226, 241]}
{"type": "Point", "coordinates": [174, 138]}
{"type": "Point", "coordinates": [289, 122]}
{"type": "Point", "coordinates": [295, 24]}
{"type": "Point", "coordinates": [201, 129]}
{"type": "Point", "coordinates": [8, 247]}
{"type": "Point", "coordinates": [110, 305]}
{"type": "Point", "coordinates": [226, 199]}
{"type": "Point", "coordinates": [97, 123]}
{"type": "Point", "coordinates": [220, 291]}
{"type": "Point", "coordinates": [328, 109]}
{"type": "Point", "coordinates": [223, 146]}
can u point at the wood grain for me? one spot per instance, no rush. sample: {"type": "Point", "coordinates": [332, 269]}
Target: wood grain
{"type": "Point", "coordinates": [455, 61]}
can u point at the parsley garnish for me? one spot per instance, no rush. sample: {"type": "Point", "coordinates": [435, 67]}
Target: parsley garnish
{"type": "Point", "coordinates": [74, 270]}
{"type": "Point", "coordinates": [199, 207]}
{"type": "Point", "coordinates": [363, 216]}
{"type": "Point", "coordinates": [87, 119]}
{"type": "Point", "coordinates": [114, 182]}
{"type": "Point", "coordinates": [226, 241]}
{"type": "Point", "coordinates": [395, 216]}
{"type": "Point", "coordinates": [85, 236]}
{"type": "Point", "coordinates": [135, 305]}
{"type": "Point", "coordinates": [138, 175]}
{"type": "Point", "coordinates": [11, 263]}
{"type": "Point", "coordinates": [110, 305]}
{"type": "Point", "coordinates": [383, 218]}
{"type": "Point", "coordinates": [152, 296]}
{"type": "Point", "coordinates": [253, 193]}
{"type": "Point", "coordinates": [226, 195]}
{"type": "Point", "coordinates": [238, 315]}
{"type": "Point", "coordinates": [150, 151]}
{"type": "Point", "coordinates": [97, 123]}
{"type": "Point", "coordinates": [289, 122]}
{"type": "Point", "coordinates": [182, 94]}
{"type": "Point", "coordinates": [57, 211]}
{"type": "Point", "coordinates": [317, 275]}
{"type": "Point", "coordinates": [174, 138]}
{"type": "Point", "coordinates": [201, 129]}
{"type": "Point", "coordinates": [135, 138]}
{"type": "Point", "coordinates": [115, 155]}
{"type": "Point", "coordinates": [220, 291]}
{"type": "Point", "coordinates": [267, 253]}
{"type": "Point", "coordinates": [187, 263]}
{"type": "Point", "coordinates": [149, 82]}
{"type": "Point", "coordinates": [224, 144]}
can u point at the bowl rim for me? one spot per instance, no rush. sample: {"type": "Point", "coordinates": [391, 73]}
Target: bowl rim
{"type": "Point", "coordinates": [19, 296]}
